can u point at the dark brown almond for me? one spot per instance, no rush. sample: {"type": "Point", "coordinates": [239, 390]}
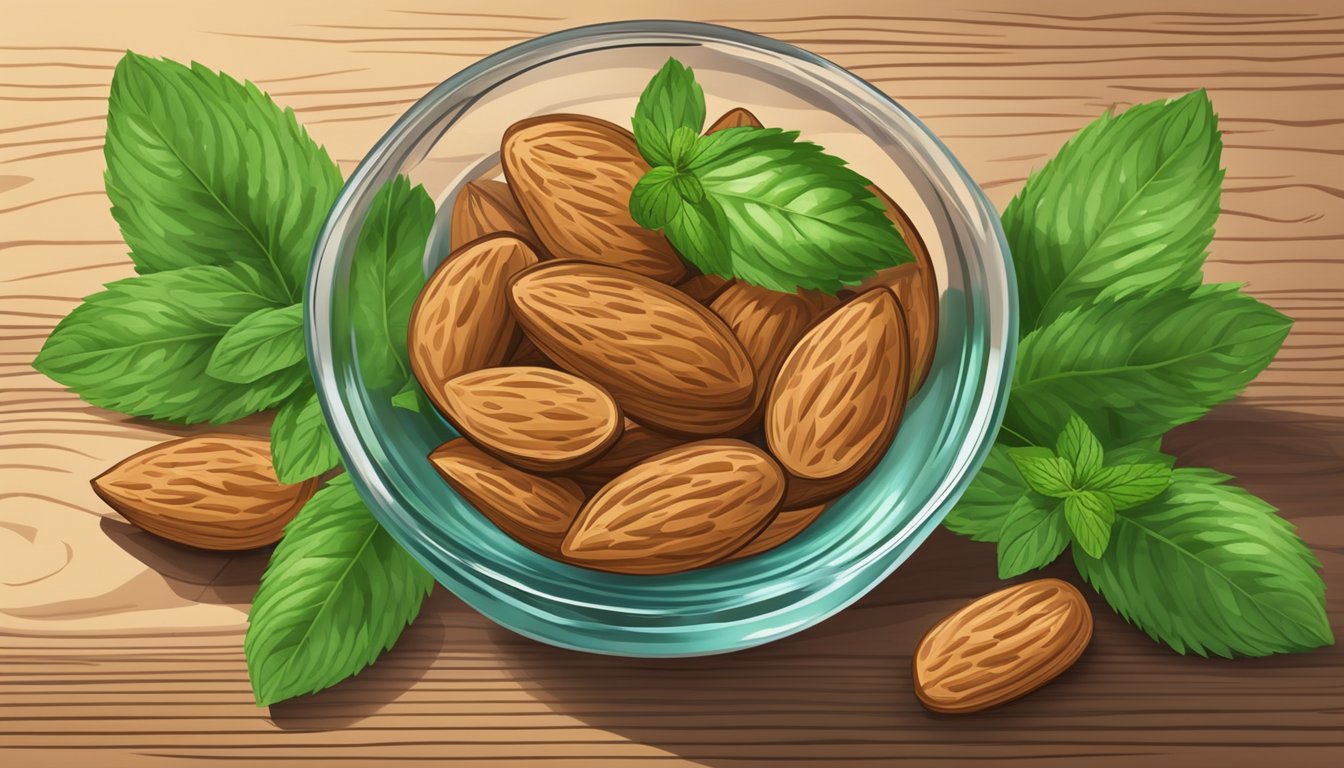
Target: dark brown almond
{"type": "Point", "coordinates": [736, 117]}
{"type": "Point", "coordinates": [670, 363]}
{"type": "Point", "coordinates": [834, 407]}
{"type": "Point", "coordinates": [461, 321]}
{"type": "Point", "coordinates": [684, 508]}
{"type": "Point", "coordinates": [785, 526]}
{"type": "Point", "coordinates": [572, 176]}
{"type": "Point", "coordinates": [704, 288]}
{"type": "Point", "coordinates": [636, 444]}
{"type": "Point", "coordinates": [537, 419]}
{"type": "Point", "coordinates": [534, 510]}
{"type": "Point", "coordinates": [486, 207]}
{"type": "Point", "coordinates": [916, 285]}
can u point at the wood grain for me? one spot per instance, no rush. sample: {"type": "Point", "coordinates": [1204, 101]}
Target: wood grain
{"type": "Point", "coordinates": [122, 650]}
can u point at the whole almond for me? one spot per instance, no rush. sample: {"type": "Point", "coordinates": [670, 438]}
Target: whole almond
{"type": "Point", "coordinates": [785, 526]}
{"type": "Point", "coordinates": [486, 207]}
{"type": "Point", "coordinates": [1002, 647]}
{"type": "Point", "coordinates": [572, 176]}
{"type": "Point", "coordinates": [684, 508]}
{"type": "Point", "coordinates": [537, 419]}
{"type": "Point", "coordinates": [670, 363]}
{"type": "Point", "coordinates": [834, 407]}
{"type": "Point", "coordinates": [637, 443]}
{"type": "Point", "coordinates": [214, 491]}
{"type": "Point", "coordinates": [916, 285]}
{"type": "Point", "coordinates": [536, 511]}
{"type": "Point", "coordinates": [461, 321]}
{"type": "Point", "coordinates": [735, 118]}
{"type": "Point", "coordinates": [704, 288]}
{"type": "Point", "coordinates": [768, 323]}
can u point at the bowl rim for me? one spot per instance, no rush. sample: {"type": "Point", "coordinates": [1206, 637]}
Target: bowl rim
{"type": "Point", "coordinates": [465, 581]}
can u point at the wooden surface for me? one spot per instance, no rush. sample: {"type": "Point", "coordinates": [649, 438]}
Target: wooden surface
{"type": "Point", "coordinates": [116, 649]}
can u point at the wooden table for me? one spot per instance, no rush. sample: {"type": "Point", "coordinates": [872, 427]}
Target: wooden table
{"type": "Point", "coordinates": [118, 649]}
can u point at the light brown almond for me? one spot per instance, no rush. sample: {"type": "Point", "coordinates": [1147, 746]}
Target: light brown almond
{"type": "Point", "coordinates": [537, 419]}
{"type": "Point", "coordinates": [784, 527]}
{"type": "Point", "coordinates": [534, 510]}
{"type": "Point", "coordinates": [670, 363]}
{"type": "Point", "coordinates": [572, 176]}
{"type": "Point", "coordinates": [213, 491]}
{"type": "Point", "coordinates": [704, 288]}
{"type": "Point", "coordinates": [637, 443]}
{"type": "Point", "coordinates": [486, 207]}
{"type": "Point", "coordinates": [681, 509]}
{"type": "Point", "coordinates": [834, 407]}
{"type": "Point", "coordinates": [1002, 646]}
{"type": "Point", "coordinates": [461, 321]}
{"type": "Point", "coordinates": [735, 118]}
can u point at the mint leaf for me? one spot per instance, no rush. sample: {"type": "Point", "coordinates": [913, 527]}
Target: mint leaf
{"type": "Point", "coordinates": [142, 346]}
{"type": "Point", "coordinates": [671, 100]}
{"type": "Point", "coordinates": [1209, 568]}
{"type": "Point", "coordinates": [264, 342]}
{"type": "Point", "coordinates": [655, 201]}
{"type": "Point", "coordinates": [699, 231]}
{"type": "Point", "coordinates": [1129, 485]}
{"type": "Point", "coordinates": [1033, 535]}
{"type": "Point", "coordinates": [337, 593]}
{"type": "Point", "coordinates": [1135, 368]}
{"type": "Point", "coordinates": [1090, 515]}
{"type": "Point", "coordinates": [980, 511]}
{"type": "Point", "coordinates": [412, 398]}
{"type": "Point", "coordinates": [204, 170]}
{"type": "Point", "coordinates": [1044, 472]}
{"type": "Point", "coordinates": [1078, 446]}
{"type": "Point", "coordinates": [388, 272]}
{"type": "Point", "coordinates": [301, 446]}
{"type": "Point", "coordinates": [1126, 207]}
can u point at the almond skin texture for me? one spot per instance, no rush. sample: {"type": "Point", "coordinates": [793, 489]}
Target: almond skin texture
{"type": "Point", "coordinates": [1002, 647]}
{"type": "Point", "coordinates": [768, 323]}
{"type": "Point", "coordinates": [536, 511]}
{"type": "Point", "coordinates": [785, 526]}
{"type": "Point", "coordinates": [537, 419]}
{"type": "Point", "coordinates": [682, 509]}
{"type": "Point", "coordinates": [704, 288]}
{"type": "Point", "coordinates": [671, 364]}
{"type": "Point", "coordinates": [486, 207]}
{"type": "Point", "coordinates": [572, 176]}
{"type": "Point", "coordinates": [735, 118]}
{"type": "Point", "coordinates": [636, 444]}
{"type": "Point", "coordinates": [215, 491]}
{"type": "Point", "coordinates": [461, 321]}
{"type": "Point", "coordinates": [834, 407]}
{"type": "Point", "coordinates": [916, 285]}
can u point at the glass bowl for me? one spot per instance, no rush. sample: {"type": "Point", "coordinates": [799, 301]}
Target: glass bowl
{"type": "Point", "coordinates": [452, 135]}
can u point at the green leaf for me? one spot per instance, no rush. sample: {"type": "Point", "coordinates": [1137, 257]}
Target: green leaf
{"type": "Point", "coordinates": [412, 398]}
{"type": "Point", "coordinates": [981, 510]}
{"type": "Point", "coordinates": [337, 593]}
{"type": "Point", "coordinates": [388, 270]}
{"type": "Point", "coordinates": [264, 342]}
{"type": "Point", "coordinates": [1078, 446]}
{"type": "Point", "coordinates": [1129, 485]}
{"type": "Point", "coordinates": [682, 146]}
{"type": "Point", "coordinates": [301, 446]}
{"type": "Point", "coordinates": [1209, 568]}
{"type": "Point", "coordinates": [1126, 207]}
{"type": "Point", "coordinates": [142, 346]}
{"type": "Point", "coordinates": [1133, 369]}
{"type": "Point", "coordinates": [204, 170]}
{"type": "Point", "coordinates": [700, 233]}
{"type": "Point", "coordinates": [654, 201]}
{"type": "Point", "coordinates": [1090, 515]}
{"type": "Point", "coordinates": [671, 100]}
{"type": "Point", "coordinates": [1033, 535]}
{"type": "Point", "coordinates": [1044, 472]}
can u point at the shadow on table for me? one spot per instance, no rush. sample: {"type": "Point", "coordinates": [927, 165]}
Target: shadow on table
{"type": "Point", "coordinates": [221, 578]}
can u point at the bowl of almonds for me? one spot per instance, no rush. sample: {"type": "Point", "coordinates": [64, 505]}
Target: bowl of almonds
{"type": "Point", "coordinates": [694, 336]}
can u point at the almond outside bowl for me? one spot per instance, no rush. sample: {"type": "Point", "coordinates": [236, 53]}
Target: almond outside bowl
{"type": "Point", "coordinates": [452, 136]}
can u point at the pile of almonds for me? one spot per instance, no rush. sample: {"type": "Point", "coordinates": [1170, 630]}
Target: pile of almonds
{"type": "Point", "coordinates": [621, 411]}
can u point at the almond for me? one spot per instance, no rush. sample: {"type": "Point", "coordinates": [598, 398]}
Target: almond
{"type": "Point", "coordinates": [461, 320]}
{"type": "Point", "coordinates": [572, 176]}
{"type": "Point", "coordinates": [684, 508]}
{"type": "Point", "coordinates": [704, 288]}
{"type": "Point", "coordinates": [536, 419]}
{"type": "Point", "coordinates": [834, 407]}
{"type": "Point", "coordinates": [536, 511]}
{"type": "Point", "coordinates": [486, 207]}
{"type": "Point", "coordinates": [785, 526]}
{"type": "Point", "coordinates": [215, 491]}
{"type": "Point", "coordinates": [735, 118]}
{"type": "Point", "coordinates": [1002, 646]}
{"type": "Point", "coordinates": [768, 323]}
{"type": "Point", "coordinates": [637, 443]}
{"type": "Point", "coordinates": [916, 285]}
{"type": "Point", "coordinates": [526, 353]}
{"type": "Point", "coordinates": [670, 363]}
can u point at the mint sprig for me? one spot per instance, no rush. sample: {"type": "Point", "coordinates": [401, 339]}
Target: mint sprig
{"type": "Point", "coordinates": [756, 204]}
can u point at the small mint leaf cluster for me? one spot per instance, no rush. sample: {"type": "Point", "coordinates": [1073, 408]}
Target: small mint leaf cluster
{"type": "Point", "coordinates": [1072, 496]}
